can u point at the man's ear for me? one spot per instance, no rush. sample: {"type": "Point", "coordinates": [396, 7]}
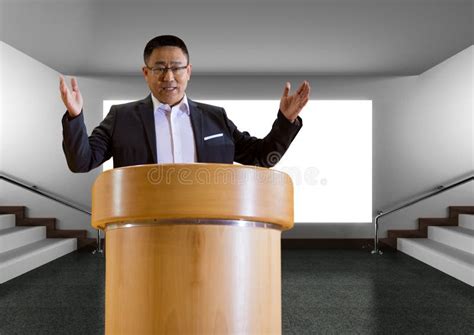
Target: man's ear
{"type": "Point", "coordinates": [145, 72]}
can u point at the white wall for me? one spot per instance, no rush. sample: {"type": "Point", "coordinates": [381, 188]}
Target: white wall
{"type": "Point", "coordinates": [31, 136]}
{"type": "Point", "coordinates": [435, 142]}
{"type": "Point", "coordinates": [422, 130]}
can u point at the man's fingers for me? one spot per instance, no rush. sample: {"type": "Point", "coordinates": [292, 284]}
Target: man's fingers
{"type": "Point", "coordinates": [61, 83]}
{"type": "Point", "coordinates": [301, 88]}
{"type": "Point", "coordinates": [63, 87]}
{"type": "Point", "coordinates": [286, 91]}
{"type": "Point", "coordinates": [305, 90]}
{"type": "Point", "coordinates": [74, 85]}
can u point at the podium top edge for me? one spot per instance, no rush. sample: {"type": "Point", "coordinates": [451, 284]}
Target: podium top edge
{"type": "Point", "coordinates": [213, 166]}
{"type": "Point", "coordinates": [198, 190]}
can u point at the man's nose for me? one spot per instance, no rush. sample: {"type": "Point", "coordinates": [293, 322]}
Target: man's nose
{"type": "Point", "coordinates": [168, 75]}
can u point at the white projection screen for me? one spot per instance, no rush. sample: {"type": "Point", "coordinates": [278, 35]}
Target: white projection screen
{"type": "Point", "coordinates": [330, 161]}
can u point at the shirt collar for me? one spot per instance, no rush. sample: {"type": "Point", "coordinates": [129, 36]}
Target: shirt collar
{"type": "Point", "coordinates": [182, 106]}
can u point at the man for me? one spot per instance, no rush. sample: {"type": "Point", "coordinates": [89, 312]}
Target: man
{"type": "Point", "coordinates": [167, 127]}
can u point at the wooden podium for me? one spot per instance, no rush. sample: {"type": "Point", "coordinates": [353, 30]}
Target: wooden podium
{"type": "Point", "coordinates": [193, 248]}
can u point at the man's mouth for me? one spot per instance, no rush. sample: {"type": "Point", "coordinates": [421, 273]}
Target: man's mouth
{"type": "Point", "coordinates": [169, 89]}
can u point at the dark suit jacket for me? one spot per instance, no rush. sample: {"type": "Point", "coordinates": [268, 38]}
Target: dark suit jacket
{"type": "Point", "coordinates": [128, 135]}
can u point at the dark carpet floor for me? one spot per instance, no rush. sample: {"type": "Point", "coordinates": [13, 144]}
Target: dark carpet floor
{"type": "Point", "coordinates": [323, 292]}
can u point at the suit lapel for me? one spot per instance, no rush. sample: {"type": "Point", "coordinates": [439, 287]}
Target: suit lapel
{"type": "Point", "coordinates": [196, 123]}
{"type": "Point", "coordinates": [145, 110]}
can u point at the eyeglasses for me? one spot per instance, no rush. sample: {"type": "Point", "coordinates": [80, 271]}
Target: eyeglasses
{"type": "Point", "coordinates": [161, 71]}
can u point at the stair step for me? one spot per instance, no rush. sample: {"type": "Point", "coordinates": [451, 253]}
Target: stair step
{"type": "Point", "coordinates": [49, 223]}
{"type": "Point", "coordinates": [19, 211]}
{"type": "Point", "coordinates": [7, 221]}
{"type": "Point", "coordinates": [70, 233]}
{"type": "Point", "coordinates": [466, 221]}
{"type": "Point", "coordinates": [424, 223]}
{"type": "Point", "coordinates": [454, 262]}
{"type": "Point", "coordinates": [454, 211]}
{"type": "Point", "coordinates": [18, 261]}
{"type": "Point", "coordinates": [15, 237]}
{"type": "Point", "coordinates": [458, 237]}
{"type": "Point", "coordinates": [397, 233]}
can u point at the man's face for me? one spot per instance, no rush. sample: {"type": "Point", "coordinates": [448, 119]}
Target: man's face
{"type": "Point", "coordinates": [167, 86]}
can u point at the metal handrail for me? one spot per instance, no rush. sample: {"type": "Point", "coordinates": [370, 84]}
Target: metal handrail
{"type": "Point", "coordinates": [46, 194]}
{"type": "Point", "coordinates": [439, 189]}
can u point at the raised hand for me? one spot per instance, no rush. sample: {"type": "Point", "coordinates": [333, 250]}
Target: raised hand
{"type": "Point", "coordinates": [72, 99]}
{"type": "Point", "coordinates": [291, 105]}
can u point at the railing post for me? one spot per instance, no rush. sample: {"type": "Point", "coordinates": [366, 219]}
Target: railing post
{"type": "Point", "coordinates": [98, 249]}
{"type": "Point", "coordinates": [376, 250]}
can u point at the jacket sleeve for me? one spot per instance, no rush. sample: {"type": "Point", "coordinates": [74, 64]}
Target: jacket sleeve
{"type": "Point", "coordinates": [85, 153]}
{"type": "Point", "coordinates": [268, 151]}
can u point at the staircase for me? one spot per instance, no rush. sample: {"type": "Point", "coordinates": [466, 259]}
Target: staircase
{"type": "Point", "coordinates": [27, 243]}
{"type": "Point", "coordinates": [446, 244]}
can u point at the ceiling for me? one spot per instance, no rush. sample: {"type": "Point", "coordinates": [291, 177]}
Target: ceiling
{"type": "Point", "coordinates": [319, 37]}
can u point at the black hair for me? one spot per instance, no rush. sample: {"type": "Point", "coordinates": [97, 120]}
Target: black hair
{"type": "Point", "coordinates": [164, 41]}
